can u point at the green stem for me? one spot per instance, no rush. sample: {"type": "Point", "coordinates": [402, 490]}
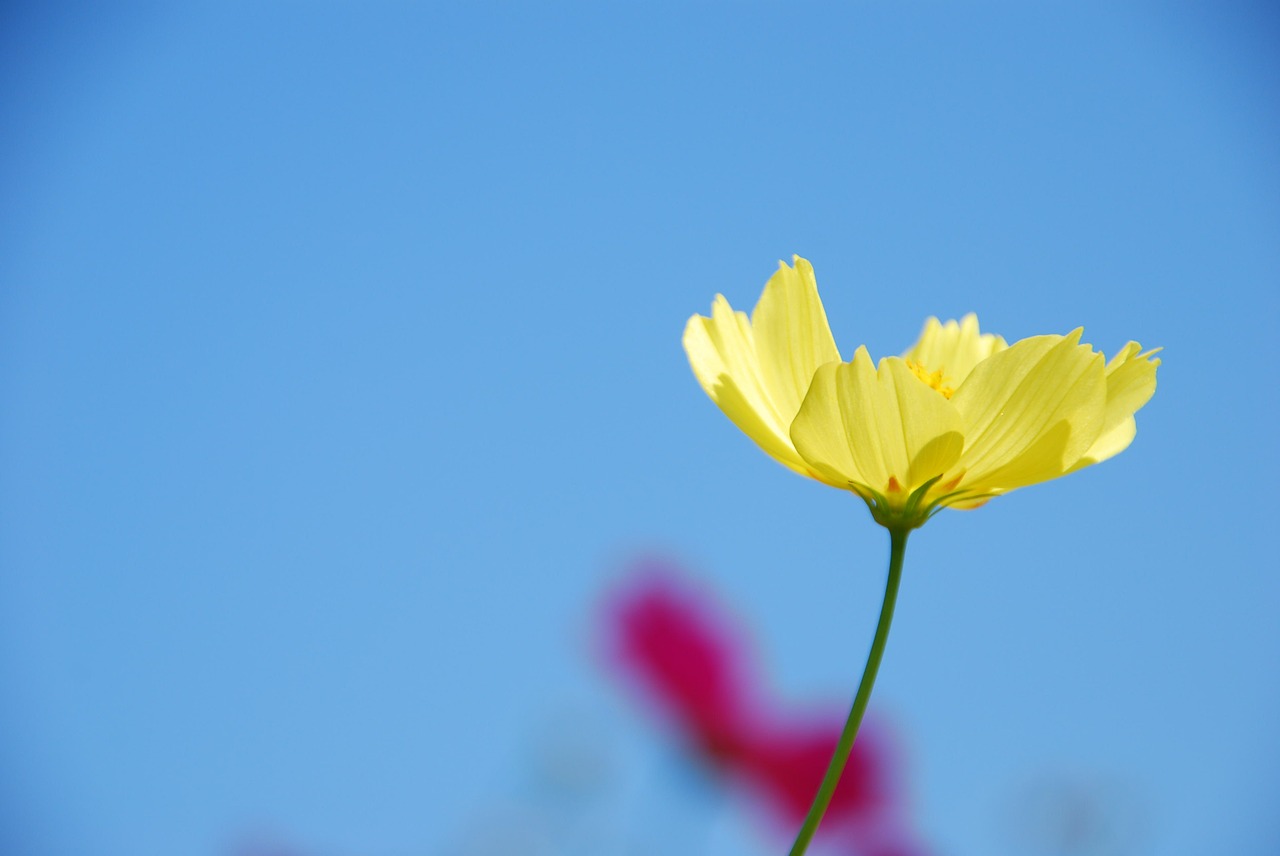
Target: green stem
{"type": "Point", "coordinates": [897, 549]}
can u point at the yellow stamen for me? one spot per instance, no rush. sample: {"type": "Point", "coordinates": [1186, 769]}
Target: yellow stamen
{"type": "Point", "coordinates": [934, 380]}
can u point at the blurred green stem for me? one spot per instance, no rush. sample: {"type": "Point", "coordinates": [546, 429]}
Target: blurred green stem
{"type": "Point", "coordinates": [897, 549]}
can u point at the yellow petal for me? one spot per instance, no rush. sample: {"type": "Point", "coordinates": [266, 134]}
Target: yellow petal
{"type": "Point", "coordinates": [1030, 412]}
{"type": "Point", "coordinates": [1131, 381]}
{"type": "Point", "coordinates": [758, 371]}
{"type": "Point", "coordinates": [953, 348]}
{"type": "Point", "coordinates": [721, 352]}
{"type": "Point", "coordinates": [792, 335]}
{"type": "Point", "coordinates": [879, 429]}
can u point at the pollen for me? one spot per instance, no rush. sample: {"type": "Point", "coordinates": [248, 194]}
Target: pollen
{"type": "Point", "coordinates": [934, 380]}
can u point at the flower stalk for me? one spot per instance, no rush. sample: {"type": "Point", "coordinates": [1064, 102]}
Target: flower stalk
{"type": "Point", "coordinates": [897, 550]}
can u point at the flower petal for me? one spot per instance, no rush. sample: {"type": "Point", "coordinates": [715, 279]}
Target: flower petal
{"type": "Point", "coordinates": [953, 348]}
{"type": "Point", "coordinates": [1030, 412]}
{"type": "Point", "coordinates": [884, 430]}
{"type": "Point", "coordinates": [758, 371]}
{"type": "Point", "coordinates": [792, 335]}
{"type": "Point", "coordinates": [721, 351]}
{"type": "Point", "coordinates": [1131, 381]}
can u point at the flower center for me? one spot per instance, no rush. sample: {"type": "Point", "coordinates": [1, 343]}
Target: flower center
{"type": "Point", "coordinates": [934, 380]}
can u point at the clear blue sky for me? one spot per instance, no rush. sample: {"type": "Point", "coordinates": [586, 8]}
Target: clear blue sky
{"type": "Point", "coordinates": [340, 372]}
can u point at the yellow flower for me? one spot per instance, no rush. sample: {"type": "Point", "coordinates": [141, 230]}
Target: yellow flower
{"type": "Point", "coordinates": [961, 417]}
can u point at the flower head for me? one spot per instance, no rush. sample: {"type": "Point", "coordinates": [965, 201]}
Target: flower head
{"type": "Point", "coordinates": [961, 417]}
{"type": "Point", "coordinates": [687, 653]}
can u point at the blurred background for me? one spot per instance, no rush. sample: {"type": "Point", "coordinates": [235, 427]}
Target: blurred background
{"type": "Point", "coordinates": [341, 389]}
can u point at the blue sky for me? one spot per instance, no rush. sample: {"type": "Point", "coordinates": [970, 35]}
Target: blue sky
{"type": "Point", "coordinates": [340, 373]}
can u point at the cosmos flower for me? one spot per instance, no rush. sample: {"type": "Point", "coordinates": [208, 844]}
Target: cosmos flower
{"type": "Point", "coordinates": [959, 418]}
{"type": "Point", "coordinates": [685, 653]}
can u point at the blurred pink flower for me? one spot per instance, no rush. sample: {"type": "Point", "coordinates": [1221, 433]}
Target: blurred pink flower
{"type": "Point", "coordinates": [697, 668]}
